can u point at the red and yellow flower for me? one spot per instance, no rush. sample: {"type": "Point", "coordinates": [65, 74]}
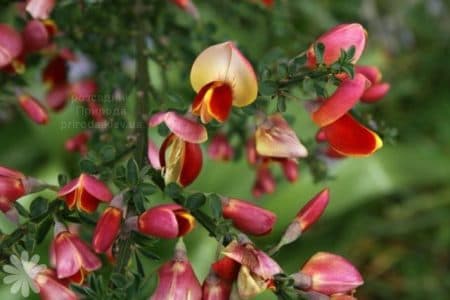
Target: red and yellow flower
{"type": "Point", "coordinates": [222, 78]}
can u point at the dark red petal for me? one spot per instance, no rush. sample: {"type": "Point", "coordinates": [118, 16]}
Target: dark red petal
{"type": "Point", "coordinates": [192, 163]}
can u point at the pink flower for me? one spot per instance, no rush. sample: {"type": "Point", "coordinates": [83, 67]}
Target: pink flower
{"type": "Point", "coordinates": [180, 156]}
{"type": "Point", "coordinates": [378, 89]}
{"type": "Point", "coordinates": [177, 280]}
{"type": "Point", "coordinates": [215, 288]}
{"type": "Point", "coordinates": [275, 138]}
{"type": "Point", "coordinates": [40, 9]}
{"type": "Point", "coordinates": [85, 193]}
{"type": "Point", "coordinates": [11, 187]}
{"type": "Point", "coordinates": [38, 34]}
{"type": "Point", "coordinates": [166, 221]}
{"type": "Point", "coordinates": [33, 108]}
{"type": "Point", "coordinates": [107, 229]}
{"type": "Point", "coordinates": [10, 45]}
{"type": "Point", "coordinates": [220, 148]}
{"type": "Point", "coordinates": [78, 143]}
{"type": "Point", "coordinates": [84, 90]}
{"type": "Point", "coordinates": [247, 217]}
{"type": "Point", "coordinates": [51, 288]}
{"type": "Point", "coordinates": [256, 271]}
{"type": "Point", "coordinates": [341, 37]}
{"type": "Point", "coordinates": [72, 257]}
{"type": "Point", "coordinates": [187, 6]}
{"type": "Point", "coordinates": [57, 96]}
{"type": "Point", "coordinates": [331, 274]}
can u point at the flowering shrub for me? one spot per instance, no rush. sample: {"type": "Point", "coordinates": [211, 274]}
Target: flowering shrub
{"type": "Point", "coordinates": [235, 108]}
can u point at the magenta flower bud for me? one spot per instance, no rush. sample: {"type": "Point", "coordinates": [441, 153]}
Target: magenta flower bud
{"type": "Point", "coordinates": [38, 34]}
{"type": "Point", "coordinates": [331, 274]}
{"type": "Point", "coordinates": [107, 229]}
{"type": "Point", "coordinates": [84, 90]}
{"type": "Point", "coordinates": [312, 211]}
{"type": "Point", "coordinates": [248, 217]}
{"type": "Point", "coordinates": [40, 9]}
{"type": "Point", "coordinates": [290, 169]}
{"type": "Point", "coordinates": [216, 288]}
{"type": "Point", "coordinates": [57, 97]}
{"type": "Point", "coordinates": [11, 187]}
{"type": "Point", "coordinates": [220, 148]}
{"type": "Point", "coordinates": [177, 280]}
{"type": "Point", "coordinates": [307, 216]}
{"type": "Point", "coordinates": [341, 37]}
{"type": "Point", "coordinates": [51, 288]}
{"type": "Point", "coordinates": [373, 74]}
{"type": "Point", "coordinates": [72, 257]}
{"type": "Point", "coordinates": [166, 221]}
{"type": "Point", "coordinates": [78, 143]}
{"type": "Point", "coordinates": [10, 45]}
{"type": "Point", "coordinates": [375, 92]}
{"type": "Point", "coordinates": [264, 183]}
{"type": "Point", "coordinates": [85, 193]}
{"type": "Point", "coordinates": [33, 108]}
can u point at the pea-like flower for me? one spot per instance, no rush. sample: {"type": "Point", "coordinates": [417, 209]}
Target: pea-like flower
{"type": "Point", "coordinates": [177, 280]}
{"type": "Point", "coordinates": [215, 288]}
{"type": "Point", "coordinates": [107, 229]}
{"type": "Point", "coordinates": [166, 221]}
{"type": "Point", "coordinates": [33, 109]}
{"type": "Point", "coordinates": [51, 288]}
{"type": "Point", "coordinates": [40, 9]}
{"type": "Point", "coordinates": [222, 78]}
{"type": "Point", "coordinates": [378, 89]}
{"type": "Point", "coordinates": [249, 218]}
{"type": "Point", "coordinates": [72, 257]}
{"type": "Point", "coordinates": [85, 193]}
{"type": "Point", "coordinates": [180, 156]}
{"type": "Point", "coordinates": [331, 274]}
{"type": "Point", "coordinates": [10, 45]}
{"type": "Point", "coordinates": [38, 34]}
{"type": "Point", "coordinates": [340, 37]}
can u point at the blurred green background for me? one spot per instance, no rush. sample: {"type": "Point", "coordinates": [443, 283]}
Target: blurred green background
{"type": "Point", "coordinates": [390, 213]}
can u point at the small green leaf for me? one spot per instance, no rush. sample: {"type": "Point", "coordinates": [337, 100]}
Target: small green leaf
{"type": "Point", "coordinates": [319, 50]}
{"type": "Point", "coordinates": [148, 188]}
{"type": "Point", "coordinates": [149, 254]}
{"type": "Point", "coordinates": [21, 210]}
{"type": "Point", "coordinates": [38, 208]}
{"type": "Point", "coordinates": [195, 201]}
{"type": "Point", "coordinates": [268, 88]}
{"type": "Point", "coordinates": [62, 179]}
{"type": "Point", "coordinates": [88, 166]}
{"type": "Point", "coordinates": [132, 172]}
{"type": "Point", "coordinates": [281, 104]}
{"type": "Point", "coordinates": [173, 190]}
{"type": "Point", "coordinates": [215, 204]}
{"type": "Point", "coordinates": [138, 200]}
{"type": "Point", "coordinates": [118, 280]}
{"type": "Point", "coordinates": [108, 153]}
{"type": "Point", "coordinates": [308, 85]}
{"type": "Point", "coordinates": [351, 53]}
{"type": "Point", "coordinates": [43, 229]}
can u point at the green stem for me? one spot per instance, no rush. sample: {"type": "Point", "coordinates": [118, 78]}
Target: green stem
{"type": "Point", "coordinates": [141, 111]}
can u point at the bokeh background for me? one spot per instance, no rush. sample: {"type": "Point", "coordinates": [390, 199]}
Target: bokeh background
{"type": "Point", "coordinates": [390, 213]}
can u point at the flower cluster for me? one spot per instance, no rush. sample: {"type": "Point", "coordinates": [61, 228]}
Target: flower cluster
{"type": "Point", "coordinates": [118, 207]}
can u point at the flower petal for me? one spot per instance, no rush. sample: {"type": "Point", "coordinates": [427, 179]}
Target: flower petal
{"type": "Point", "coordinates": [40, 9]}
{"type": "Point", "coordinates": [68, 261]}
{"type": "Point", "coordinates": [95, 187]}
{"type": "Point", "coordinates": [182, 127]}
{"type": "Point", "coordinates": [224, 62]}
{"type": "Point", "coordinates": [348, 137]}
{"type": "Point", "coordinates": [192, 164]}
{"type": "Point", "coordinates": [159, 221]}
{"type": "Point", "coordinates": [34, 110]}
{"type": "Point", "coordinates": [373, 74]}
{"type": "Point", "coordinates": [107, 229]}
{"type": "Point", "coordinates": [90, 262]}
{"type": "Point", "coordinates": [275, 138]}
{"type": "Point", "coordinates": [10, 44]}
{"type": "Point", "coordinates": [339, 37]}
{"type": "Point", "coordinates": [153, 155]}
{"type": "Point", "coordinates": [214, 100]}
{"type": "Point", "coordinates": [343, 99]}
{"type": "Point", "coordinates": [375, 92]}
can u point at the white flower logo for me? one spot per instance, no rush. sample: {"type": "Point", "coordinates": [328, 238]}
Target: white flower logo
{"type": "Point", "coordinates": [21, 272]}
